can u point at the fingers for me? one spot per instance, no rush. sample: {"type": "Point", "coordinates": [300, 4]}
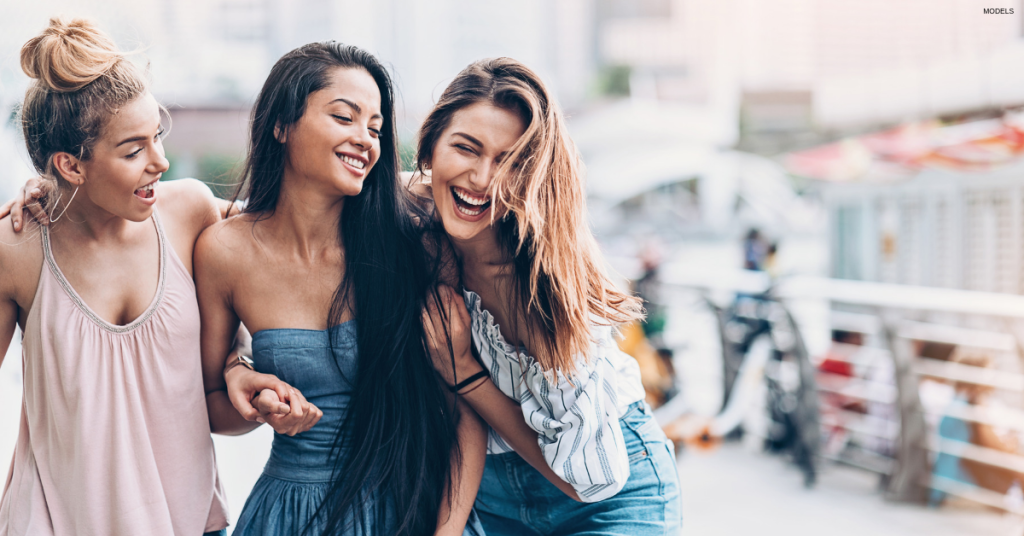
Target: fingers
{"type": "Point", "coordinates": [292, 423]}
{"type": "Point", "coordinates": [27, 199]}
{"type": "Point", "coordinates": [35, 206]}
{"type": "Point", "coordinates": [313, 415]}
{"type": "Point", "coordinates": [5, 209]}
{"type": "Point", "coordinates": [16, 210]}
{"type": "Point", "coordinates": [270, 402]}
{"type": "Point", "coordinates": [297, 402]}
{"type": "Point", "coordinates": [243, 403]}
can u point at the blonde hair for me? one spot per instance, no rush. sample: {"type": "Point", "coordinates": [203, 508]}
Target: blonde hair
{"type": "Point", "coordinates": [80, 78]}
{"type": "Point", "coordinates": [561, 284]}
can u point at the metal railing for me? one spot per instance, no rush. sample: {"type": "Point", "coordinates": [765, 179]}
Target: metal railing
{"type": "Point", "coordinates": [892, 316]}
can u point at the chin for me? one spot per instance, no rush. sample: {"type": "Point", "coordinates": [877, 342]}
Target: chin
{"type": "Point", "coordinates": [461, 230]}
{"type": "Point", "coordinates": [349, 187]}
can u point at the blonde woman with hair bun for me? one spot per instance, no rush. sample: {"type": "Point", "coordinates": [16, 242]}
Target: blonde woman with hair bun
{"type": "Point", "coordinates": [114, 435]}
{"type": "Point", "coordinates": [573, 447]}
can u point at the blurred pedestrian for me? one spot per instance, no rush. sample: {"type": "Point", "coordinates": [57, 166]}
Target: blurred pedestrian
{"type": "Point", "coordinates": [755, 249]}
{"type": "Point", "coordinates": [967, 420]}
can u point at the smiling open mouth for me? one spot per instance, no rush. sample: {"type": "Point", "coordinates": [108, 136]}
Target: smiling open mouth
{"type": "Point", "coordinates": [358, 164]}
{"type": "Point", "coordinates": [146, 192]}
{"type": "Point", "coordinates": [468, 203]}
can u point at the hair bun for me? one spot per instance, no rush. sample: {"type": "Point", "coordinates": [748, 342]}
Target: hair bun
{"type": "Point", "coordinates": [68, 55]}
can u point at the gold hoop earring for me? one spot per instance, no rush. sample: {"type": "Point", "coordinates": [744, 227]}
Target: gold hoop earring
{"type": "Point", "coordinates": [73, 194]}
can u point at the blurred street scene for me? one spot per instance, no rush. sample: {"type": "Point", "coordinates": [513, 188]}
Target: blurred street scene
{"type": "Point", "coordinates": [821, 202]}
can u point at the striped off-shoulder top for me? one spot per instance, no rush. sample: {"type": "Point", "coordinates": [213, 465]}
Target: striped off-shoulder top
{"type": "Point", "coordinates": [576, 417]}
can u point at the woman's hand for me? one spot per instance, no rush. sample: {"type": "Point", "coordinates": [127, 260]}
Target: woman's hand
{"type": "Point", "coordinates": [265, 398]}
{"type": "Point", "coordinates": [30, 198]}
{"type": "Point", "coordinates": [293, 418]}
{"type": "Point", "coordinates": [450, 313]}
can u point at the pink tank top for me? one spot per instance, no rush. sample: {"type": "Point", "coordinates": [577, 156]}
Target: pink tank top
{"type": "Point", "coordinates": [114, 438]}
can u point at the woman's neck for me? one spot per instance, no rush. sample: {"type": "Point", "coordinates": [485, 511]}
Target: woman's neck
{"type": "Point", "coordinates": [306, 217]}
{"type": "Point", "coordinates": [78, 214]}
{"type": "Point", "coordinates": [482, 257]}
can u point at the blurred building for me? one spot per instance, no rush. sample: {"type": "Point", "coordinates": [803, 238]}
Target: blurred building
{"type": "Point", "coordinates": [926, 203]}
{"type": "Point", "coordinates": [795, 67]}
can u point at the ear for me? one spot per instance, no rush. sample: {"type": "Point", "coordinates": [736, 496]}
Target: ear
{"type": "Point", "coordinates": [280, 134]}
{"type": "Point", "coordinates": [70, 168]}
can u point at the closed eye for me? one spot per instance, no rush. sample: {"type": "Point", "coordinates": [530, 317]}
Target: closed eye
{"type": "Point", "coordinates": [342, 118]}
{"type": "Point", "coordinates": [376, 132]}
{"type": "Point", "coordinates": [464, 148]}
{"type": "Point", "coordinates": [134, 153]}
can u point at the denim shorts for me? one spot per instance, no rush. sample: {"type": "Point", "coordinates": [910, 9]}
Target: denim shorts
{"type": "Point", "coordinates": [515, 499]}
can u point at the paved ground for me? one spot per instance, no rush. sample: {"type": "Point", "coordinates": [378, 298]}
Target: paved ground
{"type": "Point", "coordinates": [736, 491]}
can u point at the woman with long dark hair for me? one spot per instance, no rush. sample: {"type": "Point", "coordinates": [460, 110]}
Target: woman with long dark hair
{"type": "Point", "coordinates": [328, 271]}
{"type": "Point", "coordinates": [573, 447]}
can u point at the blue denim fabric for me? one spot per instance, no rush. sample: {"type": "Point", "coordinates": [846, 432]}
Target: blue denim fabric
{"type": "Point", "coordinates": [221, 532]}
{"type": "Point", "coordinates": [515, 499]}
{"type": "Point", "coordinates": [297, 475]}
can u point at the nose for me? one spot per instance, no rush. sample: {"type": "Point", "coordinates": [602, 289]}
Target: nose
{"type": "Point", "coordinates": [363, 140]}
{"type": "Point", "coordinates": [159, 163]}
{"type": "Point", "coordinates": [481, 180]}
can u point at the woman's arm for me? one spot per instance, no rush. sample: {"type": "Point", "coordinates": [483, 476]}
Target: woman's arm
{"type": "Point", "coordinates": [498, 410]}
{"type": "Point", "coordinates": [8, 321]}
{"type": "Point", "coordinates": [281, 405]}
{"type": "Point", "coordinates": [466, 474]}
{"type": "Point", "coordinates": [219, 325]}
{"type": "Point", "coordinates": [505, 416]}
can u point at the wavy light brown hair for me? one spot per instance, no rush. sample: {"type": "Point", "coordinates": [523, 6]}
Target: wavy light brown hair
{"type": "Point", "coordinates": [560, 285]}
{"type": "Point", "coordinates": [81, 79]}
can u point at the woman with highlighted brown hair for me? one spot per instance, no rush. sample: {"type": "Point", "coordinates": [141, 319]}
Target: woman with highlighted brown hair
{"type": "Point", "coordinates": [573, 448]}
{"type": "Point", "coordinates": [109, 440]}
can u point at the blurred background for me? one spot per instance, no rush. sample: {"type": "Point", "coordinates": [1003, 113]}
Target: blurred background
{"type": "Point", "coordinates": [822, 203]}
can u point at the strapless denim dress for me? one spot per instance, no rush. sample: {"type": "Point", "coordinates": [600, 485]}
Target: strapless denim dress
{"type": "Point", "coordinates": [297, 475]}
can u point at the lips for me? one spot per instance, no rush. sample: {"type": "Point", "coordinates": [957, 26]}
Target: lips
{"type": "Point", "coordinates": [468, 203]}
{"type": "Point", "coordinates": [356, 163]}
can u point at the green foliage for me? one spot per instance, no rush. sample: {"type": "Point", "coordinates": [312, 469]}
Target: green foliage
{"type": "Point", "coordinates": [219, 172]}
{"type": "Point", "coordinates": [407, 155]}
{"type": "Point", "coordinates": [613, 80]}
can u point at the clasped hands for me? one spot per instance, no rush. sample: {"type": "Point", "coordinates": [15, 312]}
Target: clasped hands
{"type": "Point", "coordinates": [264, 398]}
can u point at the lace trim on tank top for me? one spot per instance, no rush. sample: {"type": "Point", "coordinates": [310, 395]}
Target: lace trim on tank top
{"type": "Point", "coordinates": [82, 306]}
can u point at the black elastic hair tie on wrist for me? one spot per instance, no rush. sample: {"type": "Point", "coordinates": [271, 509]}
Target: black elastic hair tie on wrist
{"type": "Point", "coordinates": [461, 385]}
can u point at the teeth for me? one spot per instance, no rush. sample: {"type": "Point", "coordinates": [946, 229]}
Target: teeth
{"type": "Point", "coordinates": [358, 164]}
{"type": "Point", "coordinates": [468, 212]}
{"type": "Point", "coordinates": [471, 200]}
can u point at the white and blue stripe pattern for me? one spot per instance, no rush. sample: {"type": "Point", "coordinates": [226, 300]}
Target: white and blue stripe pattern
{"type": "Point", "coordinates": [577, 420]}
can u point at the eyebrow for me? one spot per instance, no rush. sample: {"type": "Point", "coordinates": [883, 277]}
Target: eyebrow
{"type": "Point", "coordinates": [470, 138]}
{"type": "Point", "coordinates": [132, 139]}
{"type": "Point", "coordinates": [355, 107]}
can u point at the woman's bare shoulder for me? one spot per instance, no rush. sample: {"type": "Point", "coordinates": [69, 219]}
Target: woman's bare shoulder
{"type": "Point", "coordinates": [190, 203]}
{"type": "Point", "coordinates": [226, 246]}
{"type": "Point", "coordinates": [21, 257]}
